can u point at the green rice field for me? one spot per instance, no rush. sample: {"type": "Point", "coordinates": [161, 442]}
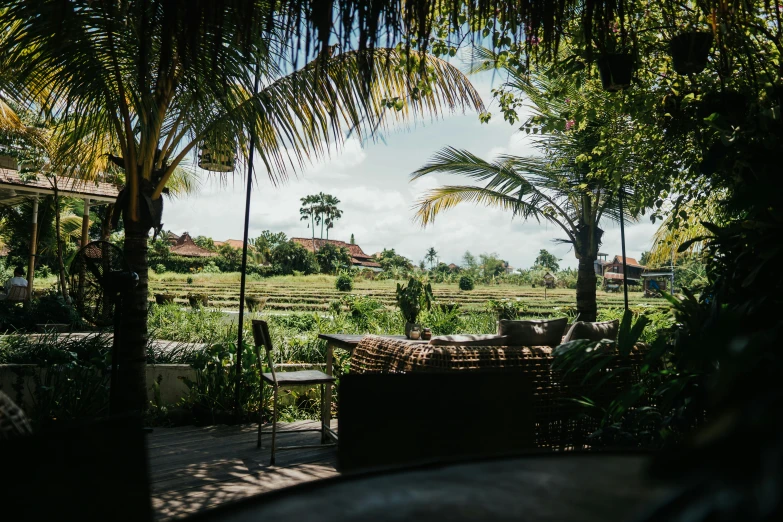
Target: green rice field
{"type": "Point", "coordinates": [314, 293]}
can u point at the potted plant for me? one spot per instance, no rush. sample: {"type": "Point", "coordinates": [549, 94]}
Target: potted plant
{"type": "Point", "coordinates": [197, 300]}
{"type": "Point", "coordinates": [690, 51]}
{"type": "Point", "coordinates": [616, 70]}
{"type": "Point", "coordinates": [412, 299]}
{"type": "Point", "coordinates": [164, 299]}
{"type": "Point", "coordinates": [255, 303]}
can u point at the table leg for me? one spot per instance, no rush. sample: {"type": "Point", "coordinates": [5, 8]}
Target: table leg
{"type": "Point", "coordinates": [326, 404]}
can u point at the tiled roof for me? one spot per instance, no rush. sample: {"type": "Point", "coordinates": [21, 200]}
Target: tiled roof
{"type": "Point", "coordinates": [358, 257]}
{"type": "Point", "coordinates": [234, 243]}
{"type": "Point", "coordinates": [629, 261]}
{"type": "Point", "coordinates": [102, 191]}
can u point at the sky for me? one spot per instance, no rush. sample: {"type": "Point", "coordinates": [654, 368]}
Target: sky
{"type": "Point", "coordinates": [372, 182]}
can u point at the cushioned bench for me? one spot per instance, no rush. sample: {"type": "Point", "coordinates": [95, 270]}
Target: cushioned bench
{"type": "Point", "coordinates": [560, 422]}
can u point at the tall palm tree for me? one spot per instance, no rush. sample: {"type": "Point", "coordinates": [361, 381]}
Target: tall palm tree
{"type": "Point", "coordinates": [431, 256]}
{"type": "Point", "coordinates": [331, 212]}
{"type": "Point", "coordinates": [308, 211]}
{"type": "Point", "coordinates": [537, 188]}
{"type": "Point", "coordinates": [165, 78]}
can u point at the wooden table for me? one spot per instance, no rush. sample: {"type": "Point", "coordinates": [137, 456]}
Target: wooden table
{"type": "Point", "coordinates": [344, 342]}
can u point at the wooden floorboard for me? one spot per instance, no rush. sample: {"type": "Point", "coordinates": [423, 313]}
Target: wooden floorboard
{"type": "Point", "coordinates": [192, 469]}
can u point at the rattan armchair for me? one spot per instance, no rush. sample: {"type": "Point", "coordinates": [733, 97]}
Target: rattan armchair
{"type": "Point", "coordinates": [278, 380]}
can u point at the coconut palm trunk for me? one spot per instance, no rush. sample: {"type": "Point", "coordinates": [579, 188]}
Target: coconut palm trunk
{"type": "Point", "coordinates": [132, 349]}
{"type": "Point", "coordinates": [586, 305]}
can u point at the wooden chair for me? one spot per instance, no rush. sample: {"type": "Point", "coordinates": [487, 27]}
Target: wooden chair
{"type": "Point", "coordinates": [16, 294]}
{"type": "Point", "coordinates": [276, 380]}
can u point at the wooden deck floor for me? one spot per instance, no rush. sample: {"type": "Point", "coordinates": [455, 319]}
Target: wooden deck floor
{"type": "Point", "coordinates": [193, 469]}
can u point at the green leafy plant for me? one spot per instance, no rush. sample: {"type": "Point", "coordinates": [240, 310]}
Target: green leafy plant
{"type": "Point", "coordinates": [344, 283]}
{"type": "Point", "coordinates": [506, 308]}
{"type": "Point", "coordinates": [466, 283]}
{"type": "Point", "coordinates": [413, 298]}
{"type": "Point", "coordinates": [160, 268]}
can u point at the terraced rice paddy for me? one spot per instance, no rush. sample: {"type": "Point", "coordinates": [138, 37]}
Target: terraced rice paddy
{"type": "Point", "coordinates": [314, 293]}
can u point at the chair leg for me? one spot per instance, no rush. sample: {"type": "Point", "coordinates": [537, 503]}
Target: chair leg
{"type": "Point", "coordinates": [274, 426]}
{"type": "Point", "coordinates": [261, 416]}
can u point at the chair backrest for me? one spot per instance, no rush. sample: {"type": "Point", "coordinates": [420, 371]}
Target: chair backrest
{"type": "Point", "coordinates": [261, 335]}
{"type": "Point", "coordinates": [17, 293]}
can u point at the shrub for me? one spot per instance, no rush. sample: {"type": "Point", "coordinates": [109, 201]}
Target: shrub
{"type": "Point", "coordinates": [210, 268]}
{"type": "Point", "coordinates": [160, 268]}
{"type": "Point", "coordinates": [506, 308]}
{"type": "Point", "coordinates": [344, 283]}
{"type": "Point", "coordinates": [466, 283]}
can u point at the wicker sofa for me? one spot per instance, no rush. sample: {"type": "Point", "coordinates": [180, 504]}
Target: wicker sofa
{"type": "Point", "coordinates": [560, 423]}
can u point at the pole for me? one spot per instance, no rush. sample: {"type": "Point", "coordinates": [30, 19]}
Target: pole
{"type": "Point", "coordinates": [243, 276]}
{"type": "Point", "coordinates": [622, 245]}
{"type": "Point", "coordinates": [86, 222]}
{"type": "Point", "coordinates": [33, 249]}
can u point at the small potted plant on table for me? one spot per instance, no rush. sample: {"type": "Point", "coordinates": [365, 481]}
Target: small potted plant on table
{"type": "Point", "coordinates": [412, 299]}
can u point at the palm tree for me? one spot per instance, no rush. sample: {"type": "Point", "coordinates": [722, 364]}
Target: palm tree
{"type": "Point", "coordinates": [165, 78]}
{"type": "Point", "coordinates": [331, 212]}
{"type": "Point", "coordinates": [431, 256]}
{"type": "Point", "coordinates": [308, 210]}
{"type": "Point", "coordinates": [562, 194]}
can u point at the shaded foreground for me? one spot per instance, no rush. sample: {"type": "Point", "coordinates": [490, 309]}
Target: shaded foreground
{"type": "Point", "coordinates": [193, 469]}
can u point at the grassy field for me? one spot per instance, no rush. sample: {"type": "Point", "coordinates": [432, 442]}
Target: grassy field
{"type": "Point", "coordinates": [314, 293]}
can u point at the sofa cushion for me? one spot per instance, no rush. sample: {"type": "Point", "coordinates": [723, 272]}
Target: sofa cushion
{"type": "Point", "coordinates": [471, 340]}
{"type": "Point", "coordinates": [533, 333]}
{"type": "Point", "coordinates": [593, 331]}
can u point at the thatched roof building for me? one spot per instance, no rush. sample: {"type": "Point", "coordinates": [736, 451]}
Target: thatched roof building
{"type": "Point", "coordinates": [185, 247]}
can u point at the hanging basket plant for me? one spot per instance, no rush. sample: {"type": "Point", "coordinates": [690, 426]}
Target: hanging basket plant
{"type": "Point", "coordinates": [690, 51]}
{"type": "Point", "coordinates": [217, 155]}
{"type": "Point", "coordinates": [616, 70]}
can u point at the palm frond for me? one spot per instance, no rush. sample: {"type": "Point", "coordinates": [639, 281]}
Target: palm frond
{"type": "Point", "coordinates": [444, 198]}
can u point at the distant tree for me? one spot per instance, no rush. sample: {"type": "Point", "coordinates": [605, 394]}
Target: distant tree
{"type": "Point", "coordinates": [431, 256]}
{"type": "Point", "coordinates": [469, 260]}
{"type": "Point", "coordinates": [390, 259]}
{"type": "Point", "coordinates": [308, 212]}
{"type": "Point", "coordinates": [330, 212]}
{"type": "Point", "coordinates": [644, 260]}
{"type": "Point", "coordinates": [205, 242]}
{"type": "Point", "coordinates": [492, 265]}
{"type": "Point", "coordinates": [290, 256]}
{"type": "Point", "coordinates": [547, 260]}
{"type": "Point", "coordinates": [266, 242]}
{"type": "Point", "coordinates": [422, 265]}
{"type": "Point", "coordinates": [230, 258]}
{"type": "Point", "coordinates": [332, 258]}
{"type": "Point", "coordinates": [352, 240]}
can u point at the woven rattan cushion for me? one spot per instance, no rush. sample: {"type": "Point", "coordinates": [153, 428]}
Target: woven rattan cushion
{"type": "Point", "coordinates": [13, 421]}
{"type": "Point", "coordinates": [592, 331]}
{"type": "Point", "coordinates": [470, 340]}
{"type": "Point", "coordinates": [533, 333]}
{"type": "Point", "coordinates": [382, 355]}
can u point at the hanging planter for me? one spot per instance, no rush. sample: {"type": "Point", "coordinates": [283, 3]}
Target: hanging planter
{"type": "Point", "coordinates": [616, 71]}
{"type": "Point", "coordinates": [690, 51]}
{"type": "Point", "coordinates": [217, 157]}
